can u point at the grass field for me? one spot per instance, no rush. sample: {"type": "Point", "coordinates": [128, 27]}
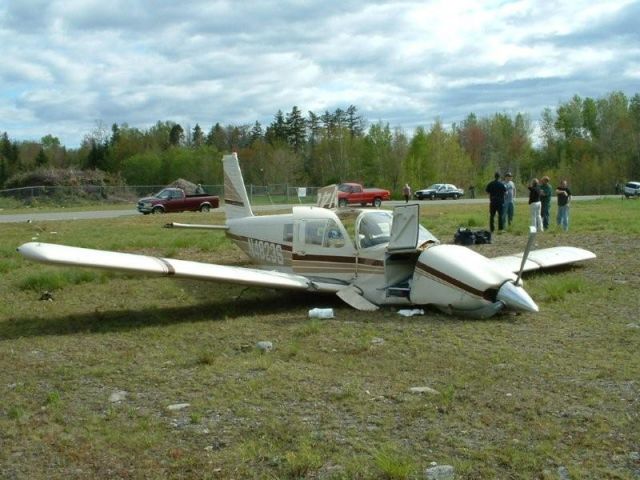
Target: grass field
{"type": "Point", "coordinates": [87, 379]}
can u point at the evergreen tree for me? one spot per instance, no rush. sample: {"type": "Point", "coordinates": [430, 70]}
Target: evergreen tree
{"type": "Point", "coordinates": [41, 158]}
{"type": "Point", "coordinates": [256, 133]}
{"type": "Point", "coordinates": [217, 137]}
{"type": "Point", "coordinates": [277, 131]}
{"type": "Point", "coordinates": [176, 135]}
{"type": "Point", "coordinates": [355, 122]}
{"type": "Point", "coordinates": [115, 134]}
{"type": "Point", "coordinates": [296, 128]}
{"type": "Point", "coordinates": [198, 136]}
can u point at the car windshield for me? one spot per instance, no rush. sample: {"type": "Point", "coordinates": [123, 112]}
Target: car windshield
{"type": "Point", "coordinates": [435, 186]}
{"type": "Point", "coordinates": [164, 194]}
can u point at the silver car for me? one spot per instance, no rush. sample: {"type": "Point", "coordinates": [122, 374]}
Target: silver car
{"type": "Point", "coordinates": [632, 189]}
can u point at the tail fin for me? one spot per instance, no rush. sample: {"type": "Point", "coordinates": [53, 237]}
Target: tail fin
{"type": "Point", "coordinates": [236, 200]}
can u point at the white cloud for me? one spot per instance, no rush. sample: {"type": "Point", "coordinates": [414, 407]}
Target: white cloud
{"type": "Point", "coordinates": [69, 63]}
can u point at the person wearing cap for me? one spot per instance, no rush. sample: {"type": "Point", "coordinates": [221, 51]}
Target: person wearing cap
{"type": "Point", "coordinates": [496, 191]}
{"type": "Point", "coordinates": [509, 198]}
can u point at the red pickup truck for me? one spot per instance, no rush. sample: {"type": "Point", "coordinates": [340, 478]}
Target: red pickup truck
{"type": "Point", "coordinates": [354, 193]}
{"type": "Point", "coordinates": [175, 200]}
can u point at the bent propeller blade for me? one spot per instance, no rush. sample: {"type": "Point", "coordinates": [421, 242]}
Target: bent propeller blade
{"type": "Point", "coordinates": [527, 250]}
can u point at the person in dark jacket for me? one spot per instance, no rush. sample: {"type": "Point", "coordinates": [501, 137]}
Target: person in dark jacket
{"type": "Point", "coordinates": [564, 198]}
{"type": "Point", "coordinates": [535, 207]}
{"type": "Point", "coordinates": [496, 191]}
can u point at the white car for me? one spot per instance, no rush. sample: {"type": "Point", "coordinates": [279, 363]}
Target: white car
{"type": "Point", "coordinates": [632, 189]}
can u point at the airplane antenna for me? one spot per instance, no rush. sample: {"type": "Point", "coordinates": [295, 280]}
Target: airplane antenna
{"type": "Point", "coordinates": [532, 237]}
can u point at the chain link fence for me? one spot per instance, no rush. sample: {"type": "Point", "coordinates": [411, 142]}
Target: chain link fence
{"type": "Point", "coordinates": [258, 194]}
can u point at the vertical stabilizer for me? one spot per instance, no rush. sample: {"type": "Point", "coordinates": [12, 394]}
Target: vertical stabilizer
{"type": "Point", "coordinates": [236, 200]}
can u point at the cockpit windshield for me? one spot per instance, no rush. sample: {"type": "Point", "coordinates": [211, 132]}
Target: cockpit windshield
{"type": "Point", "coordinates": [371, 228]}
{"type": "Point", "coordinates": [374, 228]}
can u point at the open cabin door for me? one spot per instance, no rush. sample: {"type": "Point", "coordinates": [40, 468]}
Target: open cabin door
{"type": "Point", "coordinates": [402, 251]}
{"type": "Point", "coordinates": [404, 229]}
{"type": "Point", "coordinates": [321, 245]}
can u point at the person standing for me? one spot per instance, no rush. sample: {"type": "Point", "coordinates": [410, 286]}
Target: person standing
{"type": "Point", "coordinates": [564, 198]}
{"type": "Point", "coordinates": [509, 198]}
{"type": "Point", "coordinates": [545, 200]}
{"type": "Point", "coordinates": [406, 191]}
{"type": "Point", "coordinates": [496, 191]}
{"type": "Point", "coordinates": [535, 205]}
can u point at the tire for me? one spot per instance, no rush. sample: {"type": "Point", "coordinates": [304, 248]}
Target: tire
{"type": "Point", "coordinates": [342, 203]}
{"type": "Point", "coordinates": [157, 209]}
{"type": "Point", "coordinates": [456, 196]}
{"type": "Point", "coordinates": [432, 196]}
{"type": "Point", "coordinates": [377, 202]}
{"type": "Point", "coordinates": [205, 208]}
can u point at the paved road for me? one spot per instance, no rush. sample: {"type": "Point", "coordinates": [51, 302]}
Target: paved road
{"type": "Point", "coordinates": [84, 215]}
{"type": "Point", "coordinates": [39, 217]}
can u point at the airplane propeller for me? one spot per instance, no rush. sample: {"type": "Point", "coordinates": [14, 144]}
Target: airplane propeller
{"type": "Point", "coordinates": [512, 294]}
{"type": "Point", "coordinates": [527, 250]}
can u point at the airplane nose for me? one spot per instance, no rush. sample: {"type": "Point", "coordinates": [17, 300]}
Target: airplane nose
{"type": "Point", "coordinates": [515, 298]}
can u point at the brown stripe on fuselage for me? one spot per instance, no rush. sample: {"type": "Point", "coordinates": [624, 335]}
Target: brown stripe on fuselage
{"type": "Point", "coordinates": [443, 277]}
{"type": "Point", "coordinates": [324, 258]}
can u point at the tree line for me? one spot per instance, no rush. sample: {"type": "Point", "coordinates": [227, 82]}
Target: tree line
{"type": "Point", "coordinates": [592, 142]}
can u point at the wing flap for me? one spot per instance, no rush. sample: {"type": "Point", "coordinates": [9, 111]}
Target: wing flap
{"type": "Point", "coordinates": [353, 296]}
{"type": "Point", "coordinates": [544, 258]}
{"type": "Point", "coordinates": [133, 263]}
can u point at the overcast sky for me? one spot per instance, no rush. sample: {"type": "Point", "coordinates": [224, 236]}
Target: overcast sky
{"type": "Point", "coordinates": [68, 65]}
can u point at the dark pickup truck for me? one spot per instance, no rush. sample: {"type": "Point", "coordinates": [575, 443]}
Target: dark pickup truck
{"type": "Point", "coordinates": [175, 200]}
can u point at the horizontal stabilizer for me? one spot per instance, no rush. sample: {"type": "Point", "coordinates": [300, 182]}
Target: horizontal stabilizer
{"type": "Point", "coordinates": [196, 226]}
{"type": "Point", "coordinates": [544, 258]}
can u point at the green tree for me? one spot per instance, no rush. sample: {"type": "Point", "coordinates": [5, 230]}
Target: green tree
{"type": "Point", "coordinates": [296, 128]}
{"type": "Point", "coordinates": [41, 159]}
{"type": "Point", "coordinates": [197, 139]}
{"type": "Point", "coordinates": [276, 132]}
{"type": "Point", "coordinates": [176, 135]}
{"type": "Point", "coordinates": [217, 137]}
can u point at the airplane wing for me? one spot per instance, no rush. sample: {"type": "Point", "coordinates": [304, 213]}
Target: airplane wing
{"type": "Point", "coordinates": [544, 258]}
{"type": "Point", "coordinates": [128, 262]}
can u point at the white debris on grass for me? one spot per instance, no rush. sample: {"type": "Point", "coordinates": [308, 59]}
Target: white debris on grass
{"type": "Point", "coordinates": [440, 472]}
{"type": "Point", "coordinates": [178, 406]}
{"type": "Point", "coordinates": [321, 313]}
{"type": "Point", "coordinates": [264, 346]}
{"type": "Point", "coordinates": [118, 396]}
{"type": "Point", "coordinates": [406, 312]}
{"type": "Point", "coordinates": [430, 390]}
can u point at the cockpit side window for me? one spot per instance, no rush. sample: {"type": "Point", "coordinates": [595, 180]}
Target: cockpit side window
{"type": "Point", "coordinates": [314, 232]}
{"type": "Point", "coordinates": [287, 234]}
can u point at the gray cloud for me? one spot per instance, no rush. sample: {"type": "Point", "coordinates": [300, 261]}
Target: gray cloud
{"type": "Point", "coordinates": [68, 64]}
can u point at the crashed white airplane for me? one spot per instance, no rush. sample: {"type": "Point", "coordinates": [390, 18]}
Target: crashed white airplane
{"type": "Point", "coordinates": [369, 258]}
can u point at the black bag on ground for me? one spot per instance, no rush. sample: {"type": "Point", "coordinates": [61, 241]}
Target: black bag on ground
{"type": "Point", "coordinates": [465, 236]}
{"type": "Point", "coordinates": [482, 236]}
